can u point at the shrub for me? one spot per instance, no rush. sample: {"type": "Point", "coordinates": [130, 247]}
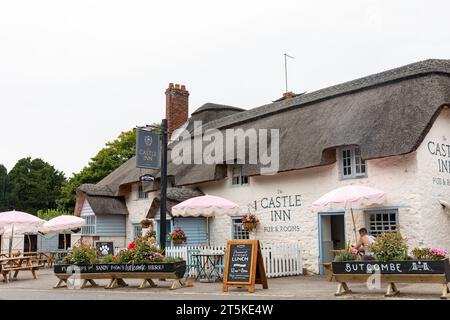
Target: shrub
{"type": "Point", "coordinates": [348, 254]}
{"type": "Point", "coordinates": [82, 254]}
{"type": "Point", "coordinates": [107, 258]}
{"type": "Point", "coordinates": [390, 246]}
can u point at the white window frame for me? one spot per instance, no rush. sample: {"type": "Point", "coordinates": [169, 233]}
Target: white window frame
{"type": "Point", "coordinates": [89, 228]}
{"type": "Point", "coordinates": [141, 195]}
{"type": "Point", "coordinates": [383, 220]}
{"type": "Point", "coordinates": [241, 234]}
{"type": "Point", "coordinates": [137, 226]}
{"type": "Point", "coordinates": [355, 162]}
{"type": "Point", "coordinates": [241, 177]}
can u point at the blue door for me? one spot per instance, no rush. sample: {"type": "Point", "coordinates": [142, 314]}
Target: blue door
{"type": "Point", "coordinates": [331, 236]}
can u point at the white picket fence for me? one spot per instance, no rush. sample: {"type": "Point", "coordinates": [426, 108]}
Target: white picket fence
{"type": "Point", "coordinates": [280, 259]}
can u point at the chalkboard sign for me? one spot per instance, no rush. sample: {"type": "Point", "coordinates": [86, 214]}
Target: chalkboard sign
{"type": "Point", "coordinates": [240, 262]}
{"type": "Point", "coordinates": [244, 265]}
{"type": "Point", "coordinates": [104, 248]}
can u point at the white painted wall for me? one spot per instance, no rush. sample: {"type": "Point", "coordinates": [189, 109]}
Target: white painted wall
{"type": "Point", "coordinates": [137, 209]}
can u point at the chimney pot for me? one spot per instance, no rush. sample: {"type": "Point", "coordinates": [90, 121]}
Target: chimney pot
{"type": "Point", "coordinates": [177, 106]}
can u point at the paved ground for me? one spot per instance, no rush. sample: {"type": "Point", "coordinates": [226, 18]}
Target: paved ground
{"type": "Point", "coordinates": [301, 287]}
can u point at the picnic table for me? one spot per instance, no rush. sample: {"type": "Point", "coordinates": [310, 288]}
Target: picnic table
{"type": "Point", "coordinates": [42, 258]}
{"type": "Point", "coordinates": [207, 265]}
{"type": "Point", "coordinates": [17, 264]}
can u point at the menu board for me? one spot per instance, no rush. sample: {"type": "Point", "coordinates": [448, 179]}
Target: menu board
{"type": "Point", "coordinates": [240, 259]}
{"type": "Point", "coordinates": [244, 266]}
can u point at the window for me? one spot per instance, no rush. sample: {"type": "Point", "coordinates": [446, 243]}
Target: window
{"type": "Point", "coordinates": [238, 230]}
{"type": "Point", "coordinates": [141, 193]}
{"type": "Point", "coordinates": [89, 227]}
{"type": "Point", "coordinates": [351, 165]}
{"type": "Point", "coordinates": [137, 230]}
{"type": "Point", "coordinates": [61, 240]}
{"type": "Point", "coordinates": [237, 178]}
{"type": "Point", "coordinates": [378, 221]}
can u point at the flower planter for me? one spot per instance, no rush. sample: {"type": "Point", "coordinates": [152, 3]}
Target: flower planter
{"type": "Point", "coordinates": [249, 226]}
{"type": "Point", "coordinates": [393, 267]}
{"type": "Point", "coordinates": [392, 272]}
{"type": "Point", "coordinates": [177, 268]}
{"type": "Point", "coordinates": [178, 241]}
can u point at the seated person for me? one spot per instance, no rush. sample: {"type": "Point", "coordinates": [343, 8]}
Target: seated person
{"type": "Point", "coordinates": [365, 240]}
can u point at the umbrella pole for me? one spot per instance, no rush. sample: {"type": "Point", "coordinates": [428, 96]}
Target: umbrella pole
{"type": "Point", "coordinates": [11, 242]}
{"type": "Point", "coordinates": [65, 245]}
{"type": "Point", "coordinates": [207, 231]}
{"type": "Point", "coordinates": [29, 242]}
{"type": "Point", "coordinates": [354, 225]}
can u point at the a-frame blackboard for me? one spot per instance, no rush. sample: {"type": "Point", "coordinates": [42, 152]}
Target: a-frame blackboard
{"type": "Point", "coordinates": [244, 265]}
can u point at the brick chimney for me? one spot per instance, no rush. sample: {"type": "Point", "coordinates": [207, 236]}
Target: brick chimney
{"type": "Point", "coordinates": [177, 106]}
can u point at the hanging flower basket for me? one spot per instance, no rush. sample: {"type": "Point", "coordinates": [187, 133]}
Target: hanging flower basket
{"type": "Point", "coordinates": [250, 226]}
{"type": "Point", "coordinates": [178, 236]}
{"type": "Point", "coordinates": [178, 241]}
{"type": "Point", "coordinates": [146, 223]}
{"type": "Point", "coordinates": [249, 222]}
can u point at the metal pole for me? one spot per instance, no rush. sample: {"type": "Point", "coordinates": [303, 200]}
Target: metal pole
{"type": "Point", "coordinates": [162, 221]}
{"type": "Point", "coordinates": [285, 72]}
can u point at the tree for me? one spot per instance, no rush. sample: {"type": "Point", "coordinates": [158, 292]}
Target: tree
{"type": "Point", "coordinates": [51, 213]}
{"type": "Point", "coordinates": [106, 161]}
{"type": "Point", "coordinates": [4, 186]}
{"type": "Point", "coordinates": [34, 184]}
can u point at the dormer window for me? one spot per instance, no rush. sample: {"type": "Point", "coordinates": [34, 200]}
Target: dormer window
{"type": "Point", "coordinates": [351, 165]}
{"type": "Point", "coordinates": [237, 177]}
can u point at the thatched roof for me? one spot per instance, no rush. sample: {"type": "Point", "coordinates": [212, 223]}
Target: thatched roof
{"type": "Point", "coordinates": [107, 205]}
{"type": "Point", "coordinates": [386, 114]}
{"type": "Point", "coordinates": [174, 197]}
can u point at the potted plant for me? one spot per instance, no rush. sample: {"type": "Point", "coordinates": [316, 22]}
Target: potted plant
{"type": "Point", "coordinates": [250, 222]}
{"type": "Point", "coordinates": [177, 236]}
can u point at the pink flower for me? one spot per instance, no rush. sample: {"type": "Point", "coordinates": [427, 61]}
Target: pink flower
{"type": "Point", "coordinates": [353, 251]}
{"type": "Point", "coordinates": [439, 252]}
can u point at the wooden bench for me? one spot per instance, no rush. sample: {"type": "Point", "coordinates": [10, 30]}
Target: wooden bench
{"type": "Point", "coordinates": [16, 265]}
{"type": "Point", "coordinates": [116, 279]}
{"type": "Point", "coordinates": [391, 279]}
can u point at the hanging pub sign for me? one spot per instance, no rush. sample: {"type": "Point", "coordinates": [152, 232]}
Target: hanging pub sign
{"type": "Point", "coordinates": [244, 265]}
{"type": "Point", "coordinates": [148, 149]}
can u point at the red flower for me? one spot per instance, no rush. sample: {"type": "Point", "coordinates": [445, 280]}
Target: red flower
{"type": "Point", "coordinates": [131, 245]}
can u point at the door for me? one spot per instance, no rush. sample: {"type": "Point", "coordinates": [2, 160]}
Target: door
{"type": "Point", "coordinates": [30, 243]}
{"type": "Point", "coordinates": [331, 236]}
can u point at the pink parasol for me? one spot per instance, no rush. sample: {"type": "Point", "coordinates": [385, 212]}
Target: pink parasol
{"type": "Point", "coordinates": [24, 221]}
{"type": "Point", "coordinates": [63, 223]}
{"type": "Point", "coordinates": [206, 206]}
{"type": "Point", "coordinates": [349, 195]}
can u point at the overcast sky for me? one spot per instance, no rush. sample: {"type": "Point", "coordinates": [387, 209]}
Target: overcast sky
{"type": "Point", "coordinates": [74, 74]}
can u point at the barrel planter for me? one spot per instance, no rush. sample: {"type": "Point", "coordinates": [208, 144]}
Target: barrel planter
{"type": "Point", "coordinates": [178, 268]}
{"type": "Point", "coordinates": [117, 272]}
{"type": "Point", "coordinates": [407, 271]}
{"type": "Point", "coordinates": [393, 267]}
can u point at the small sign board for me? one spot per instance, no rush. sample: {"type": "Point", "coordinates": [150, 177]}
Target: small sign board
{"type": "Point", "coordinates": [148, 149]}
{"type": "Point", "coordinates": [104, 248]}
{"type": "Point", "coordinates": [244, 265]}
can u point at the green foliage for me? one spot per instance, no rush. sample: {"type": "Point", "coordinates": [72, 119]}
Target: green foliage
{"type": "Point", "coordinates": [346, 254]}
{"type": "Point", "coordinates": [51, 213]}
{"type": "Point", "coordinates": [107, 259]}
{"type": "Point", "coordinates": [33, 185]}
{"type": "Point", "coordinates": [172, 259]}
{"type": "Point", "coordinates": [82, 254]}
{"type": "Point", "coordinates": [106, 161]}
{"type": "Point", "coordinates": [140, 251]}
{"type": "Point", "coordinates": [390, 246]}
